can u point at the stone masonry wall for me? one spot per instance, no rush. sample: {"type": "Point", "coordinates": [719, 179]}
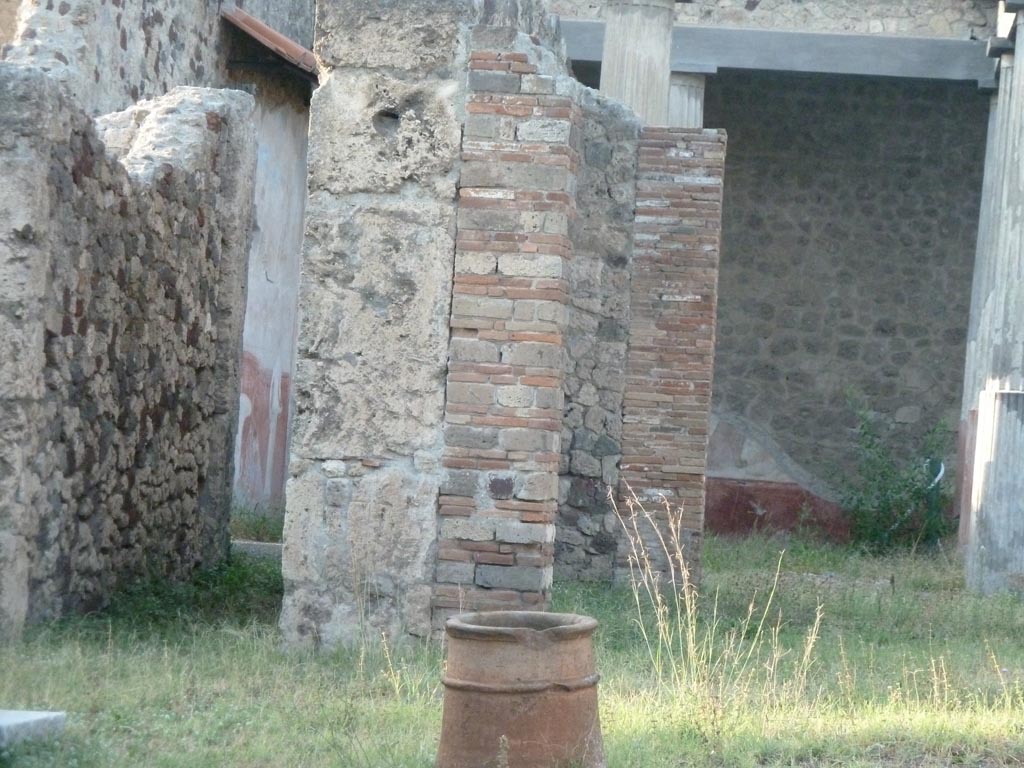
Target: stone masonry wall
{"type": "Point", "coordinates": [111, 53]}
{"type": "Point", "coordinates": [596, 338]}
{"type": "Point", "coordinates": [361, 522]}
{"type": "Point", "coordinates": [847, 261]}
{"type": "Point", "coordinates": [673, 298]}
{"type": "Point", "coordinates": [520, 159]}
{"type": "Point", "coordinates": [123, 286]}
{"type": "Point", "coordinates": [967, 19]}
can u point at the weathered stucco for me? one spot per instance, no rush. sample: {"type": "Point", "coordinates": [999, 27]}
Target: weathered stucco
{"type": "Point", "coordinates": [973, 19]}
{"type": "Point", "coordinates": [122, 293]}
{"type": "Point", "coordinates": [271, 316]}
{"type": "Point", "coordinates": [376, 289]}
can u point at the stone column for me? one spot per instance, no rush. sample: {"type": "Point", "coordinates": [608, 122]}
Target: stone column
{"type": "Point", "coordinates": [980, 323]}
{"type": "Point", "coordinates": [636, 65]}
{"type": "Point", "coordinates": [686, 101]}
{"type": "Point", "coordinates": [981, 287]}
{"type": "Point", "coordinates": [995, 559]}
{"type": "Point", "coordinates": [995, 352]}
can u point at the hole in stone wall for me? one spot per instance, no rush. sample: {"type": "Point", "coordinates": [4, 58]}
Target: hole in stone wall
{"type": "Point", "coordinates": [386, 123]}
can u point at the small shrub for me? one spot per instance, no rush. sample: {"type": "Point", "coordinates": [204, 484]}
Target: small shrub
{"type": "Point", "coordinates": [891, 503]}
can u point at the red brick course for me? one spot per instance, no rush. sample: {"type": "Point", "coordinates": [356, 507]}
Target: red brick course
{"type": "Point", "coordinates": [506, 368]}
{"type": "Point", "coordinates": [673, 302]}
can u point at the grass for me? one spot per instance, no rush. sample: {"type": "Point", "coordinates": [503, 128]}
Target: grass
{"type": "Point", "coordinates": [907, 670]}
{"type": "Point", "coordinates": [257, 524]}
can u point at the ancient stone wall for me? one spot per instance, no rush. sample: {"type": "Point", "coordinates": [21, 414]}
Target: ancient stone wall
{"type": "Point", "coordinates": [361, 523]}
{"type": "Point", "coordinates": [849, 231]}
{"type": "Point", "coordinates": [122, 254]}
{"type": "Point", "coordinates": [596, 336]}
{"type": "Point", "coordinates": [966, 19]}
{"type": "Point", "coordinates": [111, 53]}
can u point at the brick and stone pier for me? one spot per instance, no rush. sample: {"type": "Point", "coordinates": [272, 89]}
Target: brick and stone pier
{"type": "Point", "coordinates": [510, 298]}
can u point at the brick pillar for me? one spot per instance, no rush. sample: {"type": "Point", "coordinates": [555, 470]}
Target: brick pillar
{"type": "Point", "coordinates": [673, 301]}
{"type": "Point", "coordinates": [504, 387]}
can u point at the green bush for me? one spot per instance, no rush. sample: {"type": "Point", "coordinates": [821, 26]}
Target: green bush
{"type": "Point", "coordinates": [891, 503]}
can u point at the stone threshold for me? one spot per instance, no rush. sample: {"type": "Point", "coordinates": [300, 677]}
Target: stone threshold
{"type": "Point", "coordinates": [262, 549]}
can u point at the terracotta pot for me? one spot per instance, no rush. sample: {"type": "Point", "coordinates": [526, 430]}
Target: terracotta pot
{"type": "Point", "coordinates": [520, 692]}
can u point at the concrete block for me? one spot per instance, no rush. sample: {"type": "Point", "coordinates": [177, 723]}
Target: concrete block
{"type": "Point", "coordinates": [20, 725]}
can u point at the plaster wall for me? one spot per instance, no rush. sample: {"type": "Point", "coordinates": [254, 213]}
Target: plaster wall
{"type": "Point", "coordinates": [967, 19]}
{"type": "Point", "coordinates": [271, 317]}
{"type": "Point", "coordinates": [849, 230]}
{"type": "Point", "coordinates": [122, 286]}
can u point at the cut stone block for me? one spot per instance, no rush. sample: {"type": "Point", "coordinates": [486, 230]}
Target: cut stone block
{"type": "Point", "coordinates": [18, 725]}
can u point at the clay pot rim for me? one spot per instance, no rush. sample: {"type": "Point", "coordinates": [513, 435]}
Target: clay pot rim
{"type": "Point", "coordinates": [515, 626]}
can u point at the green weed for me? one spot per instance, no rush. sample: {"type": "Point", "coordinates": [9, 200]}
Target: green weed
{"type": "Point", "coordinates": [892, 503]}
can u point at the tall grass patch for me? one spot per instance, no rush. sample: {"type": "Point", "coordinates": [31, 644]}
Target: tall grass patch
{"type": "Point", "coordinates": [833, 657]}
